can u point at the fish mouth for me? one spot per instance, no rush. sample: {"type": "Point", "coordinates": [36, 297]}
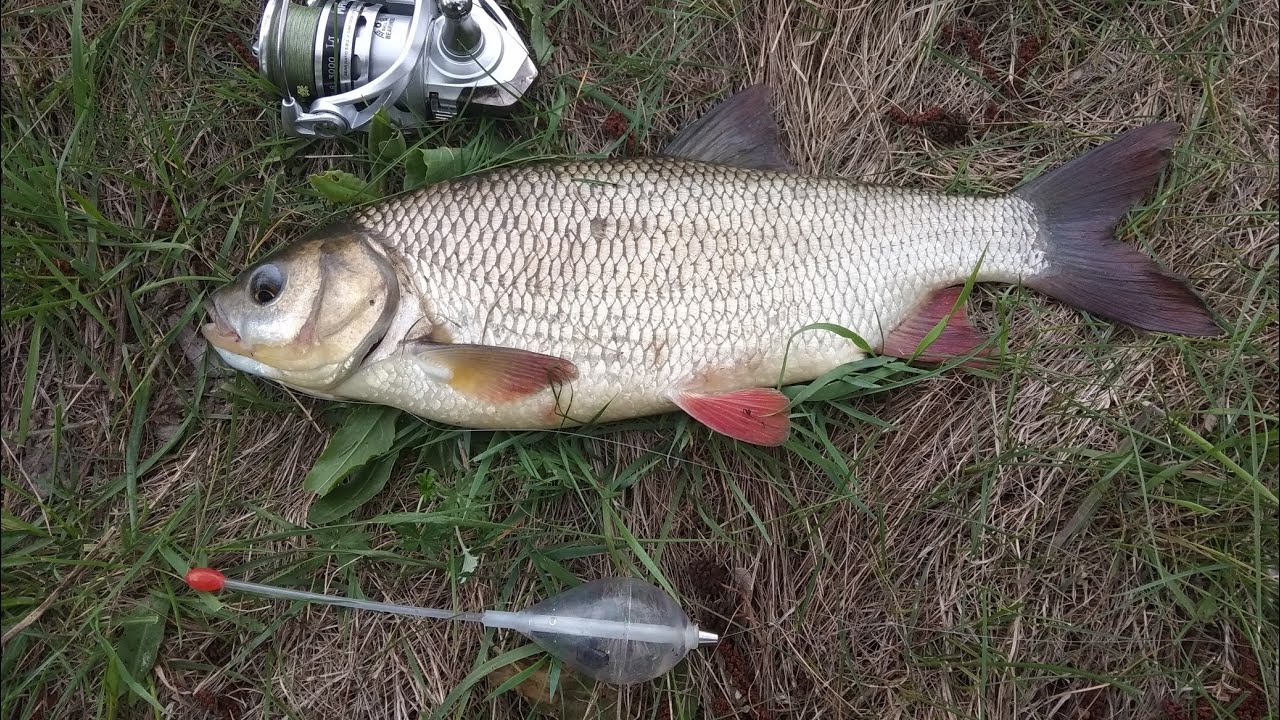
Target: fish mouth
{"type": "Point", "coordinates": [219, 333]}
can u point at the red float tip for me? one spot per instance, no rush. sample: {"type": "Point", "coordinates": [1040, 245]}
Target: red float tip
{"type": "Point", "coordinates": [205, 579]}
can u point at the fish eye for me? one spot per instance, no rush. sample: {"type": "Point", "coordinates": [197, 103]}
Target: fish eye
{"type": "Point", "coordinates": [265, 284]}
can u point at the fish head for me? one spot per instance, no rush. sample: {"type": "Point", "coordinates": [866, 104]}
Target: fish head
{"type": "Point", "coordinates": [307, 315]}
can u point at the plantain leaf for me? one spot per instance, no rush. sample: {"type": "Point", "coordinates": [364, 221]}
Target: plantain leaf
{"type": "Point", "coordinates": [432, 165]}
{"type": "Point", "coordinates": [386, 142]}
{"type": "Point", "coordinates": [367, 433]}
{"type": "Point", "coordinates": [141, 634]}
{"type": "Point", "coordinates": [355, 491]}
{"type": "Point", "coordinates": [534, 17]}
{"type": "Point", "coordinates": [342, 188]}
{"type": "Point", "coordinates": [12, 654]}
{"type": "Point", "coordinates": [386, 147]}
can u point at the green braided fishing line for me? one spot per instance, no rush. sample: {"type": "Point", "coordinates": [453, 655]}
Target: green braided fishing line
{"type": "Point", "coordinates": [299, 45]}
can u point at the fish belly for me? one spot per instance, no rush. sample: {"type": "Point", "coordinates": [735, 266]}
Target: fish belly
{"type": "Point", "coordinates": [658, 275]}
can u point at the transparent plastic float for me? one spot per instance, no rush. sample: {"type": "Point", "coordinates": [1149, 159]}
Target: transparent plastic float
{"type": "Point", "coordinates": [614, 630]}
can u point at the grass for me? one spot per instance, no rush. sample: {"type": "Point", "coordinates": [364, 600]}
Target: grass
{"type": "Point", "coordinates": [1088, 532]}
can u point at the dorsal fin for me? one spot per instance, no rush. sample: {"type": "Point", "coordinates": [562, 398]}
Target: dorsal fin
{"type": "Point", "coordinates": [740, 131]}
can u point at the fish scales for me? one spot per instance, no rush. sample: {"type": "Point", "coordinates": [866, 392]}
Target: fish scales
{"type": "Point", "coordinates": [652, 274]}
{"type": "Point", "coordinates": [598, 290]}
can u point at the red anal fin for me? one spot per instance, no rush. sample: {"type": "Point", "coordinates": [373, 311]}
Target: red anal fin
{"type": "Point", "coordinates": [755, 415]}
{"type": "Point", "coordinates": [498, 374]}
{"type": "Point", "coordinates": [958, 337]}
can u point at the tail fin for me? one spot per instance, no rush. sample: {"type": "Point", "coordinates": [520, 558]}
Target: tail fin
{"type": "Point", "coordinates": [1079, 206]}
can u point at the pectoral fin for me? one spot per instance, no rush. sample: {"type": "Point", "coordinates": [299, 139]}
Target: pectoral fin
{"type": "Point", "coordinates": [755, 415]}
{"type": "Point", "coordinates": [496, 374]}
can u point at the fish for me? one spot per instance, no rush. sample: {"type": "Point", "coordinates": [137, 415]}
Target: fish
{"type": "Point", "coordinates": [703, 278]}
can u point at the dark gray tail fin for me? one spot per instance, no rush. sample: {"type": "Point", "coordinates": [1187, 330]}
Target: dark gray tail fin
{"type": "Point", "coordinates": [1079, 206]}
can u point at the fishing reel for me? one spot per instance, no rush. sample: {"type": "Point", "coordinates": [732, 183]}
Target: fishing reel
{"type": "Point", "coordinates": [338, 62]}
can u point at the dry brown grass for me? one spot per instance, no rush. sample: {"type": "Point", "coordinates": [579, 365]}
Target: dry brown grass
{"type": "Point", "coordinates": [993, 570]}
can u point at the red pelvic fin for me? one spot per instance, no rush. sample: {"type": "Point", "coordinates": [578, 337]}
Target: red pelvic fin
{"type": "Point", "coordinates": [958, 337]}
{"type": "Point", "coordinates": [755, 415]}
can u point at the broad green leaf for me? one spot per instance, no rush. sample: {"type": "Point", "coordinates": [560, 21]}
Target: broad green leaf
{"type": "Point", "coordinates": [141, 634]}
{"type": "Point", "coordinates": [432, 165]}
{"type": "Point", "coordinates": [12, 653]}
{"type": "Point", "coordinates": [367, 433]}
{"type": "Point", "coordinates": [342, 188]}
{"type": "Point", "coordinates": [358, 489]}
{"type": "Point", "coordinates": [386, 142]}
{"type": "Point", "coordinates": [386, 146]}
{"type": "Point", "coordinates": [534, 18]}
{"type": "Point", "coordinates": [390, 153]}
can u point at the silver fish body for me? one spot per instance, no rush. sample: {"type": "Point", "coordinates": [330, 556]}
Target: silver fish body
{"type": "Point", "coordinates": [652, 275]}
{"type": "Point", "coordinates": [559, 294]}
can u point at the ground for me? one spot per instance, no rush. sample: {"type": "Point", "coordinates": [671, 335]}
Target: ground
{"type": "Point", "coordinates": [1086, 531]}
